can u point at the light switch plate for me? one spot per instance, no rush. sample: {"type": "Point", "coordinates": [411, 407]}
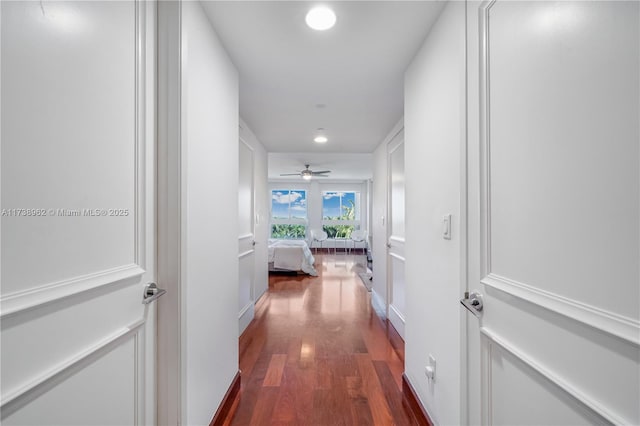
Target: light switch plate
{"type": "Point", "coordinates": [446, 227]}
{"type": "Point", "coordinates": [430, 370]}
{"type": "Point", "coordinates": [432, 361]}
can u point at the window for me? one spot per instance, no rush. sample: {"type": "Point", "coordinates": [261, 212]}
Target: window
{"type": "Point", "coordinates": [288, 213]}
{"type": "Point", "coordinates": [340, 213]}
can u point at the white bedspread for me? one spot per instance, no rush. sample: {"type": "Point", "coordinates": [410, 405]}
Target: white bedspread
{"type": "Point", "coordinates": [293, 255]}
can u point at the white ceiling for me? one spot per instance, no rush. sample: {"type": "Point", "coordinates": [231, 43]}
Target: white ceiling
{"type": "Point", "coordinates": [347, 80]}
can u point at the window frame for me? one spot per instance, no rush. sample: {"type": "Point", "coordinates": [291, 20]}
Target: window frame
{"type": "Point", "coordinates": [290, 220]}
{"type": "Point", "coordinates": [356, 223]}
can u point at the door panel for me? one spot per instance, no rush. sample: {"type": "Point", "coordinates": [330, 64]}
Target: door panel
{"type": "Point", "coordinates": [47, 126]}
{"type": "Point", "coordinates": [117, 392]}
{"type": "Point", "coordinates": [52, 112]}
{"type": "Point", "coordinates": [508, 372]}
{"type": "Point", "coordinates": [396, 237]}
{"type": "Point", "coordinates": [78, 239]}
{"type": "Point", "coordinates": [588, 126]}
{"type": "Point", "coordinates": [557, 229]}
{"type": "Point", "coordinates": [398, 284]}
{"type": "Point", "coordinates": [246, 239]}
{"type": "Point", "coordinates": [472, 368]}
{"type": "Point", "coordinates": [396, 168]}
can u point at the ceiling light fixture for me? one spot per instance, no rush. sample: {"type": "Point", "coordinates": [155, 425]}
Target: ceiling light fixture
{"type": "Point", "coordinates": [320, 136]}
{"type": "Point", "coordinates": [320, 18]}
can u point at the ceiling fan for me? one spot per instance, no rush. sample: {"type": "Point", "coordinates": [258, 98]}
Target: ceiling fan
{"type": "Point", "coordinates": [307, 173]}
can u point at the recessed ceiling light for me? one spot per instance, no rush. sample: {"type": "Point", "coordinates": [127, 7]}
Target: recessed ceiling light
{"type": "Point", "coordinates": [321, 18]}
{"type": "Point", "coordinates": [320, 139]}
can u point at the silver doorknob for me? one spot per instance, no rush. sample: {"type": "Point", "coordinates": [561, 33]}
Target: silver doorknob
{"type": "Point", "coordinates": [473, 302]}
{"type": "Point", "coordinates": [151, 292]}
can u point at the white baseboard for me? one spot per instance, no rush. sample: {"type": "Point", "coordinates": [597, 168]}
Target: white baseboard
{"type": "Point", "coordinates": [397, 319]}
{"type": "Point", "coordinates": [245, 317]}
{"type": "Point", "coordinates": [378, 302]}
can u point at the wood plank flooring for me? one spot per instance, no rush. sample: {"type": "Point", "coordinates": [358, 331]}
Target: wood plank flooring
{"type": "Point", "coordinates": [318, 354]}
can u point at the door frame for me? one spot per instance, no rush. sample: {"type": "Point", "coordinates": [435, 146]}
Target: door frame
{"type": "Point", "coordinates": [394, 143]}
{"type": "Point", "coordinates": [246, 312]}
{"type": "Point", "coordinates": [470, 113]}
{"type": "Point", "coordinates": [170, 204]}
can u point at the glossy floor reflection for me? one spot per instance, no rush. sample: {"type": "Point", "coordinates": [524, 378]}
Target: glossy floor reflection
{"type": "Point", "coordinates": [318, 354]}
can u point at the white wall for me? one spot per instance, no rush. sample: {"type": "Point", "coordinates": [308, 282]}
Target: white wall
{"type": "Point", "coordinates": [210, 126]}
{"type": "Point", "coordinates": [434, 130]}
{"type": "Point", "coordinates": [262, 206]}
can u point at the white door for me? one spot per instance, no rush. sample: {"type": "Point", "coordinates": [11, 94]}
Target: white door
{"type": "Point", "coordinates": [78, 241]}
{"type": "Point", "coordinates": [554, 217]}
{"type": "Point", "coordinates": [246, 238]}
{"type": "Point", "coordinates": [395, 231]}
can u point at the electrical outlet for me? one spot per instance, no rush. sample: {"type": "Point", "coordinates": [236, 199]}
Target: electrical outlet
{"type": "Point", "coordinates": [430, 370]}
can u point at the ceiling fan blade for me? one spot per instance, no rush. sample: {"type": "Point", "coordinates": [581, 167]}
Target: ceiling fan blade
{"type": "Point", "coordinates": [289, 174]}
{"type": "Point", "coordinates": [320, 172]}
{"type": "Point", "coordinates": [315, 175]}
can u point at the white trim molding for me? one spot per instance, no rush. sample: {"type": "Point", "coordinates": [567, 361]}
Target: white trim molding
{"type": "Point", "coordinates": [399, 314]}
{"type": "Point", "coordinates": [485, 152]}
{"type": "Point", "coordinates": [378, 303]}
{"type": "Point", "coordinates": [486, 397]}
{"type": "Point", "coordinates": [625, 328]}
{"type": "Point", "coordinates": [140, 133]}
{"type": "Point", "coordinates": [246, 253]}
{"type": "Point", "coordinates": [34, 297]}
{"type": "Point", "coordinates": [397, 319]}
{"type": "Point", "coordinates": [170, 203]}
{"type": "Point", "coordinates": [550, 376]}
{"type": "Point", "coordinates": [16, 398]}
{"type": "Point", "coordinates": [245, 316]}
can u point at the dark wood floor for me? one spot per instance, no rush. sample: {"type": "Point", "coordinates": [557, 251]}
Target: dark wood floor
{"type": "Point", "coordinates": [318, 354]}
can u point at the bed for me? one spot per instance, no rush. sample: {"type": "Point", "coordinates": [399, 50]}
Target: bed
{"type": "Point", "coordinates": [291, 255]}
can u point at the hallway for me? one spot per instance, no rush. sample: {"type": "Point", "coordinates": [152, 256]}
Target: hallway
{"type": "Point", "coordinates": [318, 354]}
